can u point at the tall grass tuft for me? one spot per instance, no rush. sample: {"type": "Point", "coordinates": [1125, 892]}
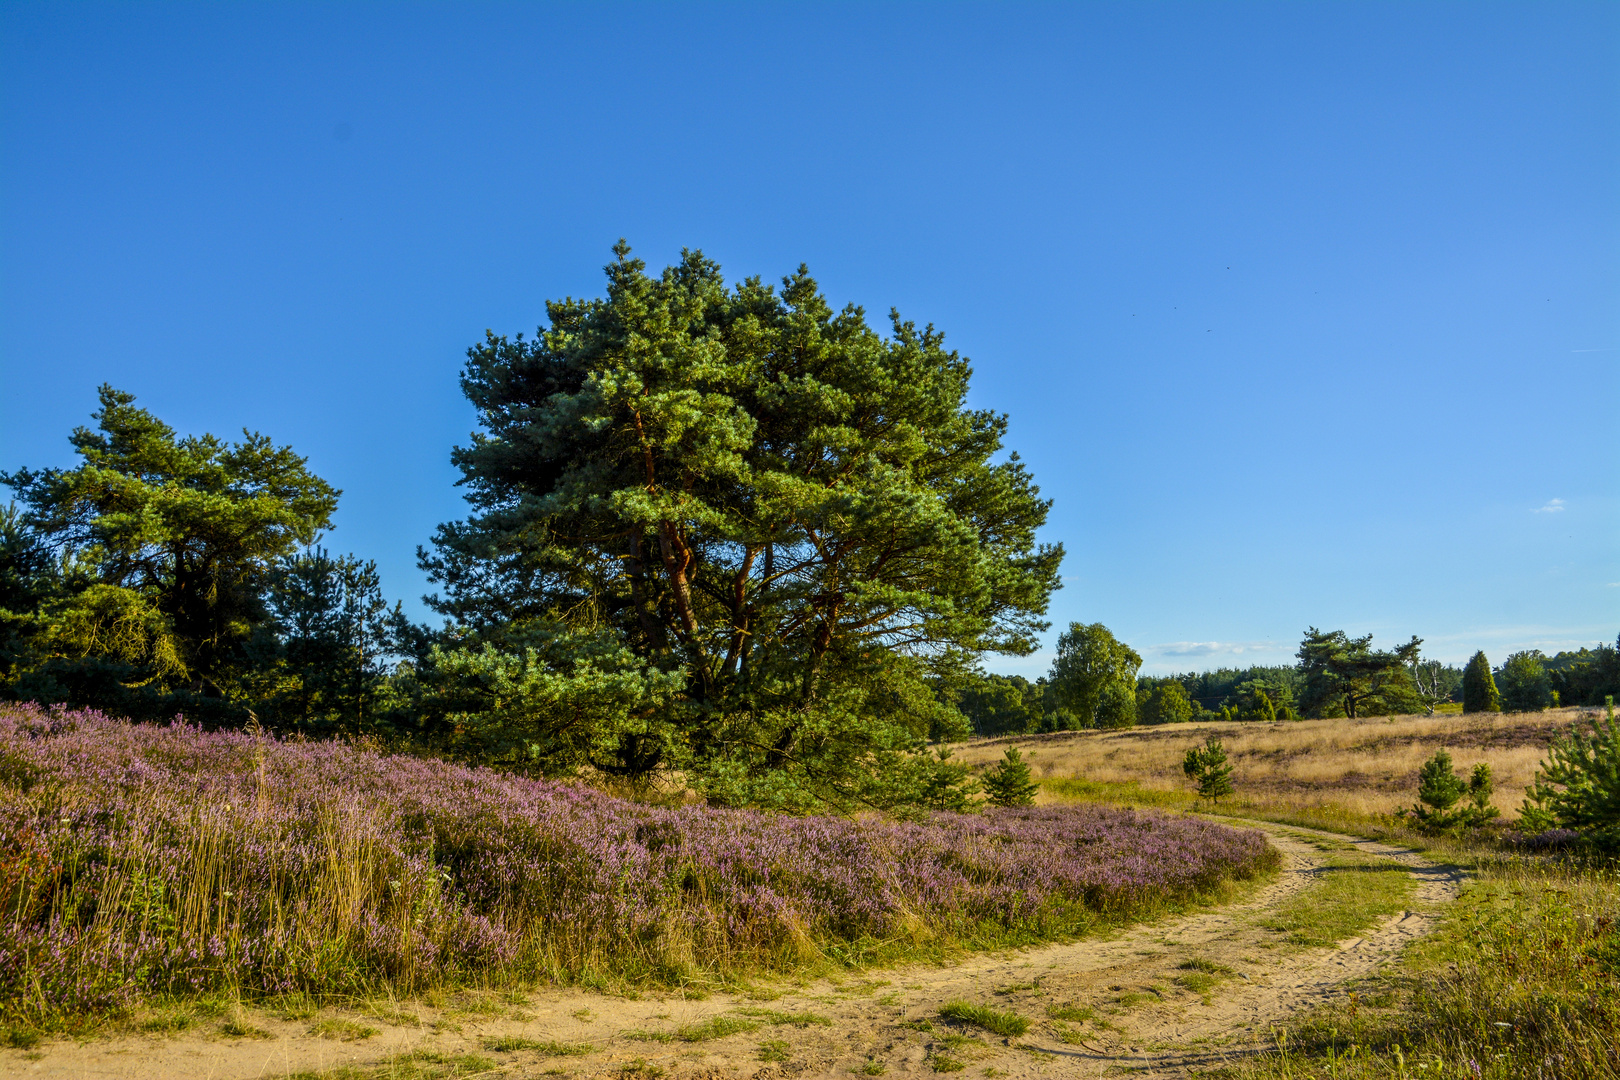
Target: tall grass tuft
{"type": "Point", "coordinates": [140, 859]}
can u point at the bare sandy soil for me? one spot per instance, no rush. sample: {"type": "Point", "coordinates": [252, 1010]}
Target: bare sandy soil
{"type": "Point", "coordinates": [1141, 1019]}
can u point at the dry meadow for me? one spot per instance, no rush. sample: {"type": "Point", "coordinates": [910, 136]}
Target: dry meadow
{"type": "Point", "coordinates": [1364, 768]}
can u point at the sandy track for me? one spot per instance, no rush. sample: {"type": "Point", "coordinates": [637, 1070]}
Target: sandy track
{"type": "Point", "coordinates": [1150, 1025]}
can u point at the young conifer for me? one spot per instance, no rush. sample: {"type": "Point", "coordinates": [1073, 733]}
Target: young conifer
{"type": "Point", "coordinates": [1207, 767]}
{"type": "Point", "coordinates": [1479, 687]}
{"type": "Point", "coordinates": [1009, 782]}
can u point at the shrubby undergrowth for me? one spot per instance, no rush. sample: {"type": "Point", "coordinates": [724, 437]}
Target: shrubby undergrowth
{"type": "Point", "coordinates": [137, 859]}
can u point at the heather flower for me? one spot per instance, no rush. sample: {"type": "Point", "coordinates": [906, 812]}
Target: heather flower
{"type": "Point", "coordinates": [143, 858]}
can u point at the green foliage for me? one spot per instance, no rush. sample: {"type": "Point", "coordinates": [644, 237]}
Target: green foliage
{"type": "Point", "coordinates": [1207, 767]}
{"type": "Point", "coordinates": [1439, 791]}
{"type": "Point", "coordinates": [566, 700]}
{"type": "Point", "coordinates": [1439, 786]}
{"type": "Point", "coordinates": [1008, 783]}
{"type": "Point", "coordinates": [1578, 786]}
{"type": "Point", "coordinates": [1163, 701]}
{"type": "Point", "coordinates": [319, 657]}
{"type": "Point", "coordinates": [1009, 1024]}
{"type": "Point", "coordinates": [1342, 672]}
{"type": "Point", "coordinates": [793, 519]}
{"type": "Point", "coordinates": [1209, 690]}
{"type": "Point", "coordinates": [166, 547]}
{"type": "Point", "coordinates": [1479, 687]}
{"type": "Point", "coordinates": [1003, 705]}
{"type": "Point", "coordinates": [1094, 676]}
{"type": "Point", "coordinates": [1255, 703]}
{"type": "Point", "coordinates": [1586, 676]}
{"type": "Point", "coordinates": [1523, 682]}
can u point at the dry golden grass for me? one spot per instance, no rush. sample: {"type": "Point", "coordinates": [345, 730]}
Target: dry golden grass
{"type": "Point", "coordinates": [1366, 767]}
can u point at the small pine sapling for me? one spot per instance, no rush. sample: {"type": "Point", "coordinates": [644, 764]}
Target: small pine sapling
{"type": "Point", "coordinates": [1207, 767]}
{"type": "Point", "coordinates": [1480, 789]}
{"type": "Point", "coordinates": [1578, 785]}
{"type": "Point", "coordinates": [1439, 791]}
{"type": "Point", "coordinates": [1009, 783]}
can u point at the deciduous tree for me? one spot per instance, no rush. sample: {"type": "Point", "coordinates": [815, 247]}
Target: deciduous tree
{"type": "Point", "coordinates": [1094, 676]}
{"type": "Point", "coordinates": [1523, 682]}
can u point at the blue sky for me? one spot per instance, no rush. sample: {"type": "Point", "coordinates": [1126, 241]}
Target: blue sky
{"type": "Point", "coordinates": [1304, 314]}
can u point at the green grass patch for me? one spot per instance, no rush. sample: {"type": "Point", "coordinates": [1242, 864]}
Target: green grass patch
{"type": "Point", "coordinates": [796, 1019]}
{"type": "Point", "coordinates": [343, 1030]}
{"type": "Point", "coordinates": [241, 1029]}
{"type": "Point", "coordinates": [420, 1065]}
{"type": "Point", "coordinates": [1352, 893]}
{"type": "Point", "coordinates": [942, 1064]}
{"type": "Point", "coordinates": [1074, 1013]}
{"type": "Point", "coordinates": [1009, 1024]}
{"type": "Point", "coordinates": [292, 1007]}
{"type": "Point", "coordinates": [715, 1027]}
{"type": "Point", "coordinates": [1208, 967]}
{"type": "Point", "coordinates": [1017, 988]}
{"type": "Point", "coordinates": [168, 1022]}
{"type": "Point", "coordinates": [1521, 978]}
{"type": "Point", "coordinates": [1197, 982]}
{"type": "Point", "coordinates": [511, 1044]}
{"type": "Point", "coordinates": [773, 1050]}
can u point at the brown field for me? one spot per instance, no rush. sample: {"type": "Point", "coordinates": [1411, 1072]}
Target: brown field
{"type": "Point", "coordinates": [1363, 768]}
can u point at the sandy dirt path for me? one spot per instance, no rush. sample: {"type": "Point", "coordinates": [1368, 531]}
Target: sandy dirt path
{"type": "Point", "coordinates": [1141, 1019]}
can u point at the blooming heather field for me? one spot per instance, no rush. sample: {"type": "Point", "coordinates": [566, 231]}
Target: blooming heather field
{"type": "Point", "coordinates": [136, 859]}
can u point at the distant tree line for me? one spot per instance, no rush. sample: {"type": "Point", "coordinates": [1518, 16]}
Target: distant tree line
{"type": "Point", "coordinates": [1336, 675]}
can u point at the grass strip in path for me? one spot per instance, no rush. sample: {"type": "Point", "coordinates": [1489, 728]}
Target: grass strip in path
{"type": "Point", "coordinates": [1353, 892]}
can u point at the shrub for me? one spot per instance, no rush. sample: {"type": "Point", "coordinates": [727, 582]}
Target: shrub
{"type": "Point", "coordinates": [1207, 767]}
{"type": "Point", "coordinates": [1009, 782]}
{"type": "Point", "coordinates": [1479, 688]}
{"type": "Point", "coordinates": [1578, 786]}
{"type": "Point", "coordinates": [1439, 791]}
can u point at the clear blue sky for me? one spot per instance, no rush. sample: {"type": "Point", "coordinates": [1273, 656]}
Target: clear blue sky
{"type": "Point", "coordinates": [1304, 314]}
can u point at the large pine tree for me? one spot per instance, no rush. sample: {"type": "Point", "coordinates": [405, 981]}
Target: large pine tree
{"type": "Point", "coordinates": [787, 525]}
{"type": "Point", "coordinates": [1479, 687]}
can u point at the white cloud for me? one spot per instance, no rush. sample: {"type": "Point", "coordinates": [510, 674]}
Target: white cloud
{"type": "Point", "coordinates": [1182, 649]}
{"type": "Point", "coordinates": [1553, 506]}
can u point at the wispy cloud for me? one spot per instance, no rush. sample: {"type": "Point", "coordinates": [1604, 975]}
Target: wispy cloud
{"type": "Point", "coordinates": [1554, 506]}
{"type": "Point", "coordinates": [1196, 649]}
